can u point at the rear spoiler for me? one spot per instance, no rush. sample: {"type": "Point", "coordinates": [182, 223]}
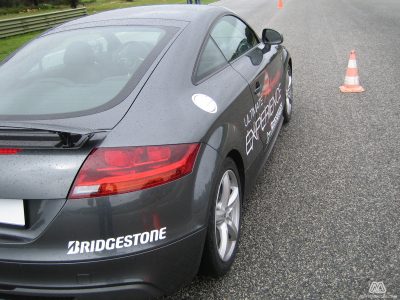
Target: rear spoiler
{"type": "Point", "coordinates": [43, 135]}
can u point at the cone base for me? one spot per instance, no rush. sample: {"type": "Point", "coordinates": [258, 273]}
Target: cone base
{"type": "Point", "coordinates": [351, 89]}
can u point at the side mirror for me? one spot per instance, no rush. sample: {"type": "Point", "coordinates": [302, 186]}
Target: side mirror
{"type": "Point", "coordinates": [271, 37]}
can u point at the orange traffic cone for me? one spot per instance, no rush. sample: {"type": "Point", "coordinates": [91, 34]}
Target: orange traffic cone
{"type": "Point", "coordinates": [352, 80]}
{"type": "Point", "coordinates": [280, 4]}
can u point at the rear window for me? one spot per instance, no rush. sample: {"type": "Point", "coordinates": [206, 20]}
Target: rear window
{"type": "Point", "coordinates": [79, 71]}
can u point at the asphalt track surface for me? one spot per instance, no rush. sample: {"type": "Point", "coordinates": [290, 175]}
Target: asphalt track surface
{"type": "Point", "coordinates": [323, 221]}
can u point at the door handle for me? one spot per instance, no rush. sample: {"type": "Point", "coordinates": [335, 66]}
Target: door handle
{"type": "Point", "coordinates": [257, 90]}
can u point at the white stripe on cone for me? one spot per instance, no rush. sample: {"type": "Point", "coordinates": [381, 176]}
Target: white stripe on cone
{"type": "Point", "coordinates": [351, 80]}
{"type": "Point", "coordinates": [352, 64]}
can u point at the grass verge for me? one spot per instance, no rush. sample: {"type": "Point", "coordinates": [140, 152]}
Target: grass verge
{"type": "Point", "coordinates": [10, 44]}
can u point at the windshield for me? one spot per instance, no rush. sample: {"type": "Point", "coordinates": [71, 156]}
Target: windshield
{"type": "Point", "coordinates": [79, 70]}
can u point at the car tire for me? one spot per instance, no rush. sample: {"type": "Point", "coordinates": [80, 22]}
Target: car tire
{"type": "Point", "coordinates": [288, 106]}
{"type": "Point", "coordinates": [224, 221]}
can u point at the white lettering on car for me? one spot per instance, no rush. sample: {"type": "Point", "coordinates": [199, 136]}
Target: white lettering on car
{"type": "Point", "coordinates": [81, 247]}
{"type": "Point", "coordinates": [264, 118]}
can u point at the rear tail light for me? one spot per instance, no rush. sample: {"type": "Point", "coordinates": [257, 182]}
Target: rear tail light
{"type": "Point", "coordinates": [110, 171]}
{"type": "Point", "coordinates": [9, 151]}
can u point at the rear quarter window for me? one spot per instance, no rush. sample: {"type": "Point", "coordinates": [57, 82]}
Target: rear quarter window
{"type": "Point", "coordinates": [211, 60]}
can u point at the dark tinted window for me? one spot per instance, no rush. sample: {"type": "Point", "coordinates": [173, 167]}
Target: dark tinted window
{"type": "Point", "coordinates": [78, 70]}
{"type": "Point", "coordinates": [211, 59]}
{"type": "Point", "coordinates": [233, 37]}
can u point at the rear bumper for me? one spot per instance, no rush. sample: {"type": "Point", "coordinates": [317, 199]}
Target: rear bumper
{"type": "Point", "coordinates": [141, 276]}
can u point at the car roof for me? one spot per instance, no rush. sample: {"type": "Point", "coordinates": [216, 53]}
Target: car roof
{"type": "Point", "coordinates": [178, 12]}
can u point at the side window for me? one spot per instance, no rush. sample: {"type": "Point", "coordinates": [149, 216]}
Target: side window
{"type": "Point", "coordinates": [233, 37]}
{"type": "Point", "coordinates": [211, 59]}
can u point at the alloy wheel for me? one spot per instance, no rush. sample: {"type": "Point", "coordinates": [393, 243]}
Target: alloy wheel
{"type": "Point", "coordinates": [227, 215]}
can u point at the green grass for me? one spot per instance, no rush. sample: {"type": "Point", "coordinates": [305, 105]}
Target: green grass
{"type": "Point", "coordinates": [10, 44]}
{"type": "Point", "coordinates": [101, 5]}
{"type": "Point", "coordinates": [92, 6]}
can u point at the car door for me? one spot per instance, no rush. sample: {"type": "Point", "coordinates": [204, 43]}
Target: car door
{"type": "Point", "coordinates": [261, 66]}
{"type": "Point", "coordinates": [217, 77]}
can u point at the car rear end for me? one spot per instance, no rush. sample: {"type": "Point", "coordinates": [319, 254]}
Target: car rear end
{"type": "Point", "coordinates": [54, 241]}
{"type": "Point", "coordinates": [78, 219]}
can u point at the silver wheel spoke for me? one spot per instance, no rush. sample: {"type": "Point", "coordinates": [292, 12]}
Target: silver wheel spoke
{"type": "Point", "coordinates": [233, 198]}
{"type": "Point", "coordinates": [223, 241]}
{"type": "Point", "coordinates": [232, 230]}
{"type": "Point", "coordinates": [226, 191]}
{"type": "Point", "coordinates": [219, 216]}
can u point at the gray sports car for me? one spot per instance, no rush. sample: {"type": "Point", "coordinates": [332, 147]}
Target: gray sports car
{"type": "Point", "coordinates": [129, 140]}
